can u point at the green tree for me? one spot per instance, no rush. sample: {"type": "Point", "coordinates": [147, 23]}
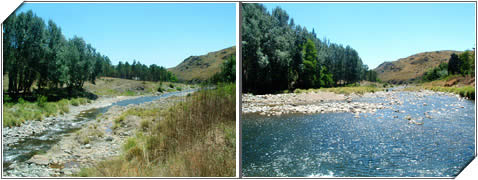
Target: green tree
{"type": "Point", "coordinates": [454, 64]}
{"type": "Point", "coordinates": [311, 73]}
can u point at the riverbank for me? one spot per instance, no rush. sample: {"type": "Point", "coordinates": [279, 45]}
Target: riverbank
{"type": "Point", "coordinates": [194, 137]}
{"type": "Point", "coordinates": [95, 141]}
{"type": "Point", "coordinates": [313, 102]}
{"type": "Point", "coordinates": [11, 135]}
{"type": "Point", "coordinates": [306, 103]}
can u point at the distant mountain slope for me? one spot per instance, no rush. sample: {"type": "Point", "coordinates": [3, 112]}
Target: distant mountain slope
{"type": "Point", "coordinates": [199, 68]}
{"type": "Point", "coordinates": [412, 67]}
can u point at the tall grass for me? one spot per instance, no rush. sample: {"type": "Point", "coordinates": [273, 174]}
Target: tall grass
{"type": "Point", "coordinates": [195, 137]}
{"type": "Point", "coordinates": [14, 114]}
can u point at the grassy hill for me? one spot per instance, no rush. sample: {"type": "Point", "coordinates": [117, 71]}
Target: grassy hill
{"type": "Point", "coordinates": [410, 68]}
{"type": "Point", "coordinates": [199, 68]}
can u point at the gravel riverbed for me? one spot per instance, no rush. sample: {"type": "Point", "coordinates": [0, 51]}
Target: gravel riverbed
{"type": "Point", "coordinates": [71, 153]}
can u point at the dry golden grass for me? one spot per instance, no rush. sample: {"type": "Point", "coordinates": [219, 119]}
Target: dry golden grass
{"type": "Point", "coordinates": [202, 67]}
{"type": "Point", "coordinates": [194, 138]}
{"type": "Point", "coordinates": [412, 67]}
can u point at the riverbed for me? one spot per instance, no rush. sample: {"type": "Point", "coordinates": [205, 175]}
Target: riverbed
{"type": "Point", "coordinates": [417, 134]}
{"type": "Point", "coordinates": [59, 131]}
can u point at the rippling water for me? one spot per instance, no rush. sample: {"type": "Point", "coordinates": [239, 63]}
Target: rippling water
{"type": "Point", "coordinates": [337, 144]}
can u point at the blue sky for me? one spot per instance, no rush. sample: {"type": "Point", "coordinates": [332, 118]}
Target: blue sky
{"type": "Point", "coordinates": [388, 31]}
{"type": "Point", "coordinates": [154, 33]}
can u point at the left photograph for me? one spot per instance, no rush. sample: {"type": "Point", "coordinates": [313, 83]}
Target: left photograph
{"type": "Point", "coordinates": [119, 90]}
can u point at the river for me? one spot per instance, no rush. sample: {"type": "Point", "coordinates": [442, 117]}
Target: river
{"type": "Point", "coordinates": [380, 144]}
{"type": "Point", "coordinates": [38, 143]}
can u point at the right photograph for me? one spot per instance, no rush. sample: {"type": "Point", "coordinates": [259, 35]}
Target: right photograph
{"type": "Point", "coordinates": [357, 89]}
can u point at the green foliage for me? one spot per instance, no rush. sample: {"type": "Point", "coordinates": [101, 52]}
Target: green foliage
{"type": "Point", "coordinates": [41, 101]}
{"type": "Point", "coordinates": [16, 114]}
{"type": "Point", "coordinates": [227, 73]}
{"type": "Point", "coordinates": [462, 64]}
{"type": "Point", "coordinates": [171, 85]}
{"type": "Point", "coordinates": [75, 102]}
{"type": "Point", "coordinates": [439, 72]}
{"type": "Point", "coordinates": [278, 55]}
{"type": "Point", "coordinates": [45, 56]}
{"type": "Point", "coordinates": [6, 98]}
{"type": "Point", "coordinates": [179, 88]}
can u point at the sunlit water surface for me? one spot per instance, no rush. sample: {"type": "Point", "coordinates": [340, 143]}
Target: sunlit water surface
{"type": "Point", "coordinates": [337, 144]}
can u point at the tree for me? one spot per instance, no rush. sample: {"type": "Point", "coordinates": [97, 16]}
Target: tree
{"type": "Point", "coordinates": [310, 74]}
{"type": "Point", "coordinates": [465, 63]}
{"type": "Point", "coordinates": [273, 56]}
{"type": "Point", "coordinates": [454, 64]}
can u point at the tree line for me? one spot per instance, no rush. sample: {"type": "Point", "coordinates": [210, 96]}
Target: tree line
{"type": "Point", "coordinates": [462, 64]}
{"type": "Point", "coordinates": [279, 55]}
{"type": "Point", "coordinates": [35, 52]}
{"type": "Point", "coordinates": [138, 71]}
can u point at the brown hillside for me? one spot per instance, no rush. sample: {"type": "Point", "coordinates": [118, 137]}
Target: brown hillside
{"type": "Point", "coordinates": [412, 67]}
{"type": "Point", "coordinates": [203, 67]}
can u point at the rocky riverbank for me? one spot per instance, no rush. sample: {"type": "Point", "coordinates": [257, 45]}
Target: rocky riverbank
{"type": "Point", "coordinates": [95, 141]}
{"type": "Point", "coordinates": [12, 135]}
{"type": "Point", "coordinates": [326, 102]}
{"type": "Point", "coordinates": [307, 103]}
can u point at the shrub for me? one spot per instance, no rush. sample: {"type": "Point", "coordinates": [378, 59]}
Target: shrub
{"type": "Point", "coordinates": [171, 85]}
{"type": "Point", "coordinates": [178, 88]}
{"type": "Point", "coordinates": [41, 101]}
{"type": "Point", "coordinates": [75, 102]}
{"type": "Point", "coordinates": [160, 89]}
{"type": "Point", "coordinates": [64, 106]}
{"type": "Point", "coordinates": [38, 116]}
{"type": "Point", "coordinates": [82, 101]}
{"type": "Point", "coordinates": [6, 98]}
{"type": "Point", "coordinates": [144, 124]}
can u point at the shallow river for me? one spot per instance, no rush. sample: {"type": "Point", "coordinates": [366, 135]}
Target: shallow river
{"type": "Point", "coordinates": [379, 144]}
{"type": "Point", "coordinates": [38, 143]}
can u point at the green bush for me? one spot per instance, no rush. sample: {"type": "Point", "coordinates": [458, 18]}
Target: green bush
{"type": "Point", "coordinates": [21, 101]}
{"type": "Point", "coordinates": [179, 88]}
{"type": "Point", "coordinates": [41, 101]}
{"type": "Point", "coordinates": [75, 102]}
{"type": "Point", "coordinates": [171, 85]}
{"type": "Point", "coordinates": [82, 101]}
{"type": "Point", "coordinates": [6, 98]}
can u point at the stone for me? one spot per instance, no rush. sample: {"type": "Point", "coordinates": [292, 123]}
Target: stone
{"type": "Point", "coordinates": [39, 159]}
{"type": "Point", "coordinates": [88, 146]}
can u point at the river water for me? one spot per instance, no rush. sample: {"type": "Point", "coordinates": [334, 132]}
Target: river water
{"type": "Point", "coordinates": [42, 142]}
{"type": "Point", "coordinates": [382, 144]}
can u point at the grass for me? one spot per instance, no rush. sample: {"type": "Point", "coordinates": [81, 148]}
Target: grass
{"type": "Point", "coordinates": [86, 135]}
{"type": "Point", "coordinates": [343, 90]}
{"type": "Point", "coordinates": [14, 114]}
{"type": "Point", "coordinates": [464, 91]}
{"type": "Point", "coordinates": [107, 86]}
{"type": "Point", "coordinates": [194, 137]}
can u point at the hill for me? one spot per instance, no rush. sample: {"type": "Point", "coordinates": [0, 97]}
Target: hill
{"type": "Point", "coordinates": [200, 68]}
{"type": "Point", "coordinates": [410, 68]}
